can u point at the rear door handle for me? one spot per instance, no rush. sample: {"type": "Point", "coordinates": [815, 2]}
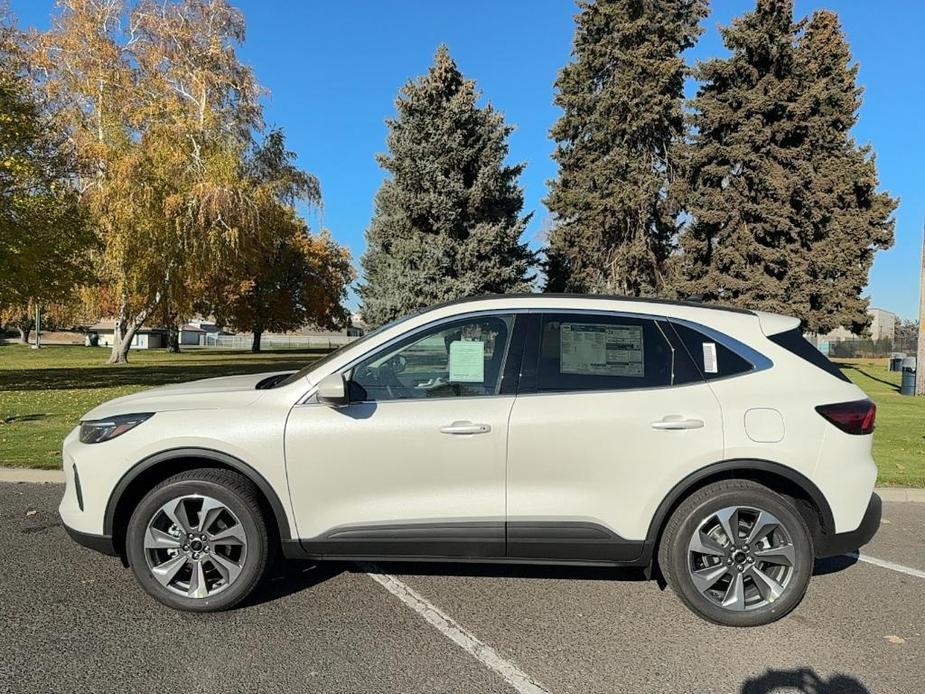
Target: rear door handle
{"type": "Point", "coordinates": [465, 427]}
{"type": "Point", "coordinates": [675, 422]}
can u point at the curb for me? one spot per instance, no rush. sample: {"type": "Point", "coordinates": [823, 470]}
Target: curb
{"type": "Point", "coordinates": [901, 494]}
{"type": "Point", "coordinates": [17, 474]}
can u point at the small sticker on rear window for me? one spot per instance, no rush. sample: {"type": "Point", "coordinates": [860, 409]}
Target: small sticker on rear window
{"type": "Point", "coordinates": [709, 358]}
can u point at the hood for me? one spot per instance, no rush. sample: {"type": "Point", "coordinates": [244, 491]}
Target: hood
{"type": "Point", "coordinates": [206, 394]}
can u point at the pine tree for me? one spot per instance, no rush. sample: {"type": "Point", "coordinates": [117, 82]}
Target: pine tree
{"type": "Point", "coordinates": [844, 218]}
{"type": "Point", "coordinates": [447, 220]}
{"type": "Point", "coordinates": [785, 212]}
{"type": "Point", "coordinates": [618, 146]}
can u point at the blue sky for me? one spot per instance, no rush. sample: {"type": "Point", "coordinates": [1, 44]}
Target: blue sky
{"type": "Point", "coordinates": [333, 70]}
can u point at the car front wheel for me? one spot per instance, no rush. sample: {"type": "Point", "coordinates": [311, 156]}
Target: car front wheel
{"type": "Point", "coordinates": [737, 554]}
{"type": "Point", "coordinates": [198, 540]}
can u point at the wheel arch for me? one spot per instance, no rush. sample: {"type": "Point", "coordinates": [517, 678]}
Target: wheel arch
{"type": "Point", "coordinates": [810, 501]}
{"type": "Point", "coordinates": [142, 476]}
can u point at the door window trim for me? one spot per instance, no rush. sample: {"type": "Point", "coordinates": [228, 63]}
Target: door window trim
{"type": "Point", "coordinates": [526, 331]}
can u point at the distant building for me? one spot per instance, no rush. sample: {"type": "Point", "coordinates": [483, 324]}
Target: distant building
{"type": "Point", "coordinates": [145, 338]}
{"type": "Point", "coordinates": [882, 326]}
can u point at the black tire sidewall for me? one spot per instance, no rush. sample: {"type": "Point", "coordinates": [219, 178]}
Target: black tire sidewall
{"type": "Point", "coordinates": [799, 535]}
{"type": "Point", "coordinates": [254, 531]}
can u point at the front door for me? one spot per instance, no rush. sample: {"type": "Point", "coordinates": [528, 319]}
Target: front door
{"type": "Point", "coordinates": [415, 464]}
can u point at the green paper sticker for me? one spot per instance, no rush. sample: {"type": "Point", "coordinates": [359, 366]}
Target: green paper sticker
{"type": "Point", "coordinates": [467, 361]}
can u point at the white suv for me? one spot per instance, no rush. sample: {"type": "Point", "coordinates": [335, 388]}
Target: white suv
{"type": "Point", "coordinates": [715, 445]}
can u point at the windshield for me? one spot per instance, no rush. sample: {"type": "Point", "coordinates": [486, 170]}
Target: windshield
{"type": "Point", "coordinates": [311, 366]}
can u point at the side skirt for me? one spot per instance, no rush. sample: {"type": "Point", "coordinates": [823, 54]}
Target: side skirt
{"type": "Point", "coordinates": [518, 542]}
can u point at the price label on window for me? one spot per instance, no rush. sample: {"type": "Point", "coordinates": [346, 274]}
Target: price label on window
{"type": "Point", "coordinates": [710, 365]}
{"type": "Point", "coordinates": [467, 361]}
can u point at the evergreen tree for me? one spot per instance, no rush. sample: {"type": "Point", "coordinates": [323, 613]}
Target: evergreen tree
{"type": "Point", "coordinates": [447, 220]}
{"type": "Point", "coordinates": [785, 212]}
{"type": "Point", "coordinates": [618, 146]}
{"type": "Point", "coordinates": [844, 219]}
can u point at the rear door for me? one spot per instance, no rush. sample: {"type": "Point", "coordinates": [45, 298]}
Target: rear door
{"type": "Point", "coordinates": [612, 412]}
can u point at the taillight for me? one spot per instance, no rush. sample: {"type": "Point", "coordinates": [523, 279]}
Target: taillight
{"type": "Point", "coordinates": [856, 417]}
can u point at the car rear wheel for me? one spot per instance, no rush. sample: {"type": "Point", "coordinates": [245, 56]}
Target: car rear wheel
{"type": "Point", "coordinates": [737, 554]}
{"type": "Point", "coordinates": [198, 540]}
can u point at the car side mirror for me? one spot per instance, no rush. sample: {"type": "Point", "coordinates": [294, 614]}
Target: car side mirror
{"type": "Point", "coordinates": [332, 390]}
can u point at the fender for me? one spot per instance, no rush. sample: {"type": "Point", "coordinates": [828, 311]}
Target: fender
{"type": "Point", "coordinates": [732, 466]}
{"type": "Point", "coordinates": [230, 461]}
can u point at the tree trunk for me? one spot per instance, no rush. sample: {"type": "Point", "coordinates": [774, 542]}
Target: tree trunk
{"type": "Point", "coordinates": [125, 330]}
{"type": "Point", "coordinates": [255, 345]}
{"type": "Point", "coordinates": [173, 338]}
{"type": "Point", "coordinates": [24, 331]}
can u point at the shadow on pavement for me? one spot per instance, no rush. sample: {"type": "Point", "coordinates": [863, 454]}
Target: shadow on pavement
{"type": "Point", "coordinates": [507, 571]}
{"type": "Point", "coordinates": [804, 680]}
{"type": "Point", "coordinates": [832, 565]}
{"type": "Point", "coordinates": [289, 577]}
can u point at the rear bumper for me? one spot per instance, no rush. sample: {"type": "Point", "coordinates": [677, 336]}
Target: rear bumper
{"type": "Point", "coordinates": [99, 543]}
{"type": "Point", "coordinates": [840, 543]}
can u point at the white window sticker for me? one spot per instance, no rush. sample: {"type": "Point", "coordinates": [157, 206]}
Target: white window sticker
{"type": "Point", "coordinates": [601, 350]}
{"type": "Point", "coordinates": [709, 358]}
{"type": "Point", "coordinates": [467, 361]}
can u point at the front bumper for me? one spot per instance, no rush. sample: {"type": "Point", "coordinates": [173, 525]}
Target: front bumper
{"type": "Point", "coordinates": [99, 543]}
{"type": "Point", "coordinates": [841, 543]}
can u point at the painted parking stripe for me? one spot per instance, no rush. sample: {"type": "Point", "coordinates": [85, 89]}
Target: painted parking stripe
{"type": "Point", "coordinates": [462, 637]}
{"type": "Point", "coordinates": [883, 563]}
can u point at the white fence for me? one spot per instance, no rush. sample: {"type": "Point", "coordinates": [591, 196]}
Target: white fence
{"type": "Point", "coordinates": [279, 342]}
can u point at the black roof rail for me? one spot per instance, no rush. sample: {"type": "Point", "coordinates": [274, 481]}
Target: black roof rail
{"type": "Point", "coordinates": [690, 302]}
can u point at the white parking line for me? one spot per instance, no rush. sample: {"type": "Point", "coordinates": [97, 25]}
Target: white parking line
{"type": "Point", "coordinates": [456, 633]}
{"type": "Point", "coordinates": [883, 563]}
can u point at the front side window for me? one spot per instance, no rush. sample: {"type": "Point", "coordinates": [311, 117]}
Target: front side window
{"type": "Point", "coordinates": [464, 358]}
{"type": "Point", "coordinates": [581, 352]}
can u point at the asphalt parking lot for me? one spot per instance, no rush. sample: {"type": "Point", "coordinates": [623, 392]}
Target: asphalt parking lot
{"type": "Point", "coordinates": [75, 621]}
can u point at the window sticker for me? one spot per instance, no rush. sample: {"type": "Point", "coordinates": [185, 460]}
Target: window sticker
{"type": "Point", "coordinates": [601, 350]}
{"type": "Point", "coordinates": [467, 361]}
{"type": "Point", "coordinates": [710, 364]}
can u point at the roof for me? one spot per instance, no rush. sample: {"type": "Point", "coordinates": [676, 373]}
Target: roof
{"type": "Point", "coordinates": [109, 325]}
{"type": "Point", "coordinates": [595, 297]}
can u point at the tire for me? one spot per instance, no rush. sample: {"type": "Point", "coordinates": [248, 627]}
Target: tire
{"type": "Point", "coordinates": [694, 551]}
{"type": "Point", "coordinates": [166, 530]}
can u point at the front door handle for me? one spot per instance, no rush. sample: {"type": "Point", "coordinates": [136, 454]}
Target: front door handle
{"type": "Point", "coordinates": [465, 427]}
{"type": "Point", "coordinates": [675, 422]}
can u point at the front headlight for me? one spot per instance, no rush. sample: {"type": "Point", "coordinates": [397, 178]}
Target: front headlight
{"type": "Point", "coordinates": [100, 430]}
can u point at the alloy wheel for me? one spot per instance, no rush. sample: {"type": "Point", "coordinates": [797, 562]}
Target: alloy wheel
{"type": "Point", "coordinates": [741, 558]}
{"type": "Point", "coordinates": [195, 546]}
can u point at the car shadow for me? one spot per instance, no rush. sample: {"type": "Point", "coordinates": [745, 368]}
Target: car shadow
{"type": "Point", "coordinates": [805, 680]}
{"type": "Point", "coordinates": [832, 565]}
{"type": "Point", "coordinates": [527, 571]}
{"type": "Point", "coordinates": [292, 576]}
{"type": "Point", "coordinates": [288, 577]}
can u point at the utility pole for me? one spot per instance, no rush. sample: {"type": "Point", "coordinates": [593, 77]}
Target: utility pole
{"type": "Point", "coordinates": [920, 353]}
{"type": "Point", "coordinates": [38, 327]}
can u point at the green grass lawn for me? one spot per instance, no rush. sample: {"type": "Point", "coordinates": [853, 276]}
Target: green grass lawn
{"type": "Point", "coordinates": [44, 392]}
{"type": "Point", "coordinates": [899, 437]}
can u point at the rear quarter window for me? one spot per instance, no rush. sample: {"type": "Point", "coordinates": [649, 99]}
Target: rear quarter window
{"type": "Point", "coordinates": [794, 342]}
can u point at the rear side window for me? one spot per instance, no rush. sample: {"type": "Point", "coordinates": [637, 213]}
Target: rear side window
{"type": "Point", "coordinates": [713, 359]}
{"type": "Point", "coordinates": [581, 352]}
{"type": "Point", "coordinates": [794, 342]}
